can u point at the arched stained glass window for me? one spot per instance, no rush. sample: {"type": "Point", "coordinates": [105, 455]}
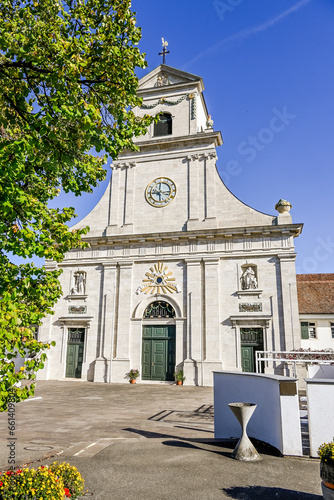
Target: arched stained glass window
{"type": "Point", "coordinates": [164, 125]}
{"type": "Point", "coordinates": [159, 309]}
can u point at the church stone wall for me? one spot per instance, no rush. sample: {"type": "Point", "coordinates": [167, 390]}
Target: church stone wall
{"type": "Point", "coordinates": [209, 241]}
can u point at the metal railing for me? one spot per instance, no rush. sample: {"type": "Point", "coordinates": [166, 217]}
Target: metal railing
{"type": "Point", "coordinates": [294, 358]}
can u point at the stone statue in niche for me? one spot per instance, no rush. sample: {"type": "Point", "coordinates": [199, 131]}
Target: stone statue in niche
{"type": "Point", "coordinates": [79, 287]}
{"type": "Point", "coordinates": [248, 279]}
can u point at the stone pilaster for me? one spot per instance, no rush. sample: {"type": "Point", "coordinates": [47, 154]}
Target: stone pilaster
{"type": "Point", "coordinates": [193, 188]}
{"type": "Point", "coordinates": [107, 322]}
{"type": "Point", "coordinates": [121, 362]}
{"type": "Point", "coordinates": [210, 186]}
{"type": "Point", "coordinates": [129, 196]}
{"type": "Point", "coordinates": [195, 340]}
{"type": "Point", "coordinates": [122, 198]}
{"type": "Point", "coordinates": [291, 333]}
{"type": "Point", "coordinates": [211, 283]}
{"type": "Point", "coordinates": [114, 197]}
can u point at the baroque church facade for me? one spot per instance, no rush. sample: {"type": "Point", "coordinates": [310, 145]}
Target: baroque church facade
{"type": "Point", "coordinates": [179, 273]}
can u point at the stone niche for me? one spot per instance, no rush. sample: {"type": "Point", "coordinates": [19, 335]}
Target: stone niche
{"type": "Point", "coordinates": [249, 280]}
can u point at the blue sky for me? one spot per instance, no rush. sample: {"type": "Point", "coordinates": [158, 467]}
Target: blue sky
{"type": "Point", "coordinates": [259, 60]}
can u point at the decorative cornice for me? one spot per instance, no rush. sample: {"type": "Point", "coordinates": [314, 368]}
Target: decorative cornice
{"type": "Point", "coordinates": [287, 257]}
{"type": "Point", "coordinates": [80, 319]}
{"type": "Point", "coordinates": [208, 136]}
{"type": "Point", "coordinates": [236, 232]}
{"type": "Point", "coordinates": [258, 319]}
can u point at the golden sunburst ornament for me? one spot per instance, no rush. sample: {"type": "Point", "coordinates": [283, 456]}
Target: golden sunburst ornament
{"type": "Point", "coordinates": [158, 280]}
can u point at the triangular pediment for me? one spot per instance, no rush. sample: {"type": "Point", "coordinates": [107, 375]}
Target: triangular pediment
{"type": "Point", "coordinates": [164, 75]}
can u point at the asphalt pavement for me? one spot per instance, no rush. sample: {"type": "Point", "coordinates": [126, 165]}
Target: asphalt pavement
{"type": "Point", "coordinates": [147, 442]}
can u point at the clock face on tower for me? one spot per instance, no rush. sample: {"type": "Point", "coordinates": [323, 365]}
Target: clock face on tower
{"type": "Point", "coordinates": [160, 192]}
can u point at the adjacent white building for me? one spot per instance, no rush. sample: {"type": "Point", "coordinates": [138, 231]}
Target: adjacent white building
{"type": "Point", "coordinates": [179, 272]}
{"type": "Point", "coordinates": [316, 310]}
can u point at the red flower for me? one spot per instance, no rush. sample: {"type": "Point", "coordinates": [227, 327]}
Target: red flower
{"type": "Point", "coordinates": [1, 483]}
{"type": "Point", "coordinates": [9, 472]}
{"type": "Point", "coordinates": [67, 492]}
{"type": "Point", "coordinates": [18, 471]}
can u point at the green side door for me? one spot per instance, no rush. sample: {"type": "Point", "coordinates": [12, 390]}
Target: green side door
{"type": "Point", "coordinates": [75, 351]}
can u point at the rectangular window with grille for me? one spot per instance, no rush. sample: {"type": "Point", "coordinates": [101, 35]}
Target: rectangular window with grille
{"type": "Point", "coordinates": [312, 330]}
{"type": "Point", "coordinates": [332, 330]}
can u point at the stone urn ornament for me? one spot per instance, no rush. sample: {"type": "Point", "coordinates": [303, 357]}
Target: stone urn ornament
{"type": "Point", "coordinates": [283, 206]}
{"type": "Point", "coordinates": [209, 122]}
{"type": "Point", "coordinates": [244, 449]}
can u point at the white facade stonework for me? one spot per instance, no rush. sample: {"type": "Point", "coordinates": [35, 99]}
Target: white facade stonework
{"type": "Point", "coordinates": [196, 248]}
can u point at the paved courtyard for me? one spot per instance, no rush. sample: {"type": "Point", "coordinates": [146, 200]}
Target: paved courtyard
{"type": "Point", "coordinates": [136, 442]}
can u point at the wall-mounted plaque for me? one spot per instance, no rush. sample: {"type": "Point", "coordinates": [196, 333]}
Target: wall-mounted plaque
{"type": "Point", "coordinates": [77, 309]}
{"type": "Point", "coordinates": [247, 307]}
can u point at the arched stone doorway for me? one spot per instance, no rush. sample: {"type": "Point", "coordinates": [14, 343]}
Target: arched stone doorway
{"type": "Point", "coordinates": [158, 341]}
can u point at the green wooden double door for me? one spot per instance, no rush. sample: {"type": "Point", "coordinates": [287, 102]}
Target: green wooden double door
{"type": "Point", "coordinates": [158, 356]}
{"type": "Point", "coordinates": [75, 351]}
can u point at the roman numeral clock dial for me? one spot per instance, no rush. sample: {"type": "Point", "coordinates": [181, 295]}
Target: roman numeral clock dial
{"type": "Point", "coordinates": [160, 192]}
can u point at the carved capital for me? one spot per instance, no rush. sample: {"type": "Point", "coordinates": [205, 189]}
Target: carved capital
{"type": "Point", "coordinates": [123, 165]}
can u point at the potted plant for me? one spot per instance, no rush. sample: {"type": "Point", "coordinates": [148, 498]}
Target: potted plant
{"type": "Point", "coordinates": [326, 454]}
{"type": "Point", "coordinates": [132, 375]}
{"type": "Point", "coordinates": [179, 377]}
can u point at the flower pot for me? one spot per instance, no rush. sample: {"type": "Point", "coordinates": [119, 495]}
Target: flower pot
{"type": "Point", "coordinates": [132, 381]}
{"type": "Point", "coordinates": [327, 493]}
{"type": "Point", "coordinates": [327, 471]}
{"type": "Point", "coordinates": [327, 476]}
{"type": "Point", "coordinates": [179, 382]}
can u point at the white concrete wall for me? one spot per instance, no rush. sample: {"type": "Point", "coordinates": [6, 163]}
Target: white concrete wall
{"type": "Point", "coordinates": [320, 403]}
{"type": "Point", "coordinates": [275, 420]}
{"type": "Point", "coordinates": [320, 371]}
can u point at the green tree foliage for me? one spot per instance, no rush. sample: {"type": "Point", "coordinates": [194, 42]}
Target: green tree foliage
{"type": "Point", "coordinates": [67, 88]}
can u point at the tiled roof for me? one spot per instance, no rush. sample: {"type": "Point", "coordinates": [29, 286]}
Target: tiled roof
{"type": "Point", "coordinates": [315, 293]}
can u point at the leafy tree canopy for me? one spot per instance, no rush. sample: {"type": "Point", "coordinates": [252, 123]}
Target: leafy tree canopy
{"type": "Point", "coordinates": [68, 88]}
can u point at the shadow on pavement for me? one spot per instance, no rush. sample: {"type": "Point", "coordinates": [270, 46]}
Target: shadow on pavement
{"type": "Point", "coordinates": [264, 493]}
{"type": "Point", "coordinates": [262, 448]}
{"type": "Point", "coordinates": [183, 444]}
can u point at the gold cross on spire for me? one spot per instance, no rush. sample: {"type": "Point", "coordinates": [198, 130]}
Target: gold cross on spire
{"type": "Point", "coordinates": [164, 50]}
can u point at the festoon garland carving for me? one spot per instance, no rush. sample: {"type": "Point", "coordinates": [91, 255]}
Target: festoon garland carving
{"type": "Point", "coordinates": [167, 101]}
